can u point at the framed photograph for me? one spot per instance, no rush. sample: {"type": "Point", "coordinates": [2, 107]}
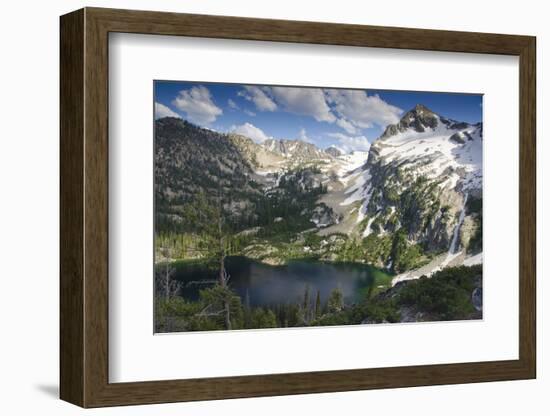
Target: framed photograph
{"type": "Point", "coordinates": [257, 207]}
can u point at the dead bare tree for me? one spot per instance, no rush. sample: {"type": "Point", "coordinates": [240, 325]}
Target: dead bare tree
{"type": "Point", "coordinates": [223, 275]}
{"type": "Point", "coordinates": [167, 286]}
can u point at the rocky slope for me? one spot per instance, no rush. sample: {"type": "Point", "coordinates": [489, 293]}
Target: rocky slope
{"type": "Point", "coordinates": [298, 150]}
{"type": "Point", "coordinates": [192, 168]}
{"type": "Point", "coordinates": [258, 156]}
{"type": "Point", "coordinates": [197, 170]}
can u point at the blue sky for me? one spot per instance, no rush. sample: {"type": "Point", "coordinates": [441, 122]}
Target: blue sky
{"type": "Point", "coordinates": [349, 119]}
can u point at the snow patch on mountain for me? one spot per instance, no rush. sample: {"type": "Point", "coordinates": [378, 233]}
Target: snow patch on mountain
{"type": "Point", "coordinates": [358, 189]}
{"type": "Point", "coordinates": [433, 152]}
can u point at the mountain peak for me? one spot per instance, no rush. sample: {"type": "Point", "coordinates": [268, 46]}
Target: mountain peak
{"type": "Point", "coordinates": [294, 148]}
{"type": "Point", "coordinates": [334, 151]}
{"type": "Point", "coordinates": [420, 114]}
{"type": "Point", "coordinates": [419, 118]}
{"type": "Point", "coordinates": [421, 109]}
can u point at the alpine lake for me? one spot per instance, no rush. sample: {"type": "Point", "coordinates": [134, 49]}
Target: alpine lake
{"type": "Point", "coordinates": [266, 285]}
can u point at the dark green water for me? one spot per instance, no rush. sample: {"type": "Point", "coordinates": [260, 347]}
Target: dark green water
{"type": "Point", "coordinates": [270, 285]}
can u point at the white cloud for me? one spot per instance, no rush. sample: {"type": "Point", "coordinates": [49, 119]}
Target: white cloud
{"type": "Point", "coordinates": [259, 97]}
{"type": "Point", "coordinates": [197, 103]}
{"type": "Point", "coordinates": [234, 106]}
{"type": "Point", "coordinates": [304, 101]}
{"type": "Point", "coordinates": [346, 125]}
{"type": "Point", "coordinates": [362, 110]}
{"type": "Point", "coordinates": [351, 110]}
{"type": "Point", "coordinates": [351, 143]}
{"type": "Point", "coordinates": [251, 131]}
{"type": "Point", "coordinates": [163, 111]}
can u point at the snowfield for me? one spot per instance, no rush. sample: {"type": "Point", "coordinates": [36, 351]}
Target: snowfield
{"type": "Point", "coordinates": [434, 152]}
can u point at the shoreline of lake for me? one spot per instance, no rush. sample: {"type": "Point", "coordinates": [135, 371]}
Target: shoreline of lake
{"type": "Point", "coordinates": [266, 284]}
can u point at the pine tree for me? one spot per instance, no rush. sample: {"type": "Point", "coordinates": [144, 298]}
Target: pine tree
{"type": "Point", "coordinates": [335, 301]}
{"type": "Point", "coordinates": [318, 305]}
{"type": "Point", "coordinates": [305, 305]}
{"type": "Point", "coordinates": [247, 315]}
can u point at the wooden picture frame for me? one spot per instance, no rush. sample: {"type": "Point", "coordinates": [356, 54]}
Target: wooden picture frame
{"type": "Point", "coordinates": [84, 207]}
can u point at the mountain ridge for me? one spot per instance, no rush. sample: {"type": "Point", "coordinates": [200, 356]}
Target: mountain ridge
{"type": "Point", "coordinates": [295, 149]}
{"type": "Point", "coordinates": [420, 173]}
